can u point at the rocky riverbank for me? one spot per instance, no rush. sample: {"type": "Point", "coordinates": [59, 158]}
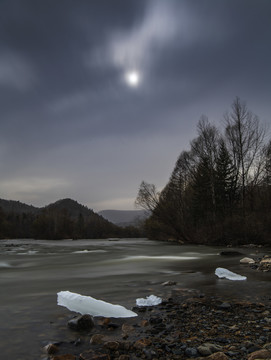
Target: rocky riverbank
{"type": "Point", "coordinates": [186, 325]}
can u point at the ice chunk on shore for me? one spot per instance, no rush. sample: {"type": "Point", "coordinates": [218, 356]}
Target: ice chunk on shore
{"type": "Point", "coordinates": [224, 273]}
{"type": "Point", "coordinates": [88, 305]}
{"type": "Point", "coordinates": [151, 300]}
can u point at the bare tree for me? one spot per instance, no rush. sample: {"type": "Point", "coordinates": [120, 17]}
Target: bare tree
{"type": "Point", "coordinates": [147, 197]}
{"type": "Point", "coordinates": [245, 139]}
{"type": "Point", "coordinates": [267, 164]}
{"type": "Point", "coordinates": [205, 150]}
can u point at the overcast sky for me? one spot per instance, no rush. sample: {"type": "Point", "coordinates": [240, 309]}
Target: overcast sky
{"type": "Point", "coordinates": [98, 95]}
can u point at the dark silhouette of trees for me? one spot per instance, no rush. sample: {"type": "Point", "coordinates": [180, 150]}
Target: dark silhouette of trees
{"type": "Point", "coordinates": [148, 196]}
{"type": "Point", "coordinates": [65, 219]}
{"type": "Point", "coordinates": [218, 188]}
{"type": "Point", "coordinates": [225, 181]}
{"type": "Point", "coordinates": [245, 138]}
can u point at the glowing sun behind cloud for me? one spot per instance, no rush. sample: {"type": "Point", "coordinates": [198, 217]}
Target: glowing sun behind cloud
{"type": "Point", "coordinates": [132, 78]}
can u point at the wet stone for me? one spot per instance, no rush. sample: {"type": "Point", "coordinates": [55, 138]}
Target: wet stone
{"type": "Point", "coordinates": [260, 354]}
{"type": "Point", "coordinates": [64, 357]}
{"type": "Point", "coordinates": [51, 349]}
{"type": "Point", "coordinates": [96, 339]}
{"type": "Point", "coordinates": [225, 305]}
{"type": "Point", "coordinates": [208, 349]}
{"type": "Point", "coordinates": [155, 321]}
{"type": "Point", "coordinates": [93, 355]}
{"type": "Point", "coordinates": [191, 352]}
{"type": "Point", "coordinates": [218, 356]}
{"type": "Point", "coordinates": [112, 326]}
{"type": "Point", "coordinates": [81, 323]}
{"type": "Point", "coordinates": [111, 345]}
{"type": "Point", "coordinates": [77, 342]}
{"type": "Point", "coordinates": [142, 343]}
{"type": "Point", "coordinates": [232, 353]}
{"type": "Point", "coordinates": [267, 346]}
{"type": "Point", "coordinates": [126, 328]}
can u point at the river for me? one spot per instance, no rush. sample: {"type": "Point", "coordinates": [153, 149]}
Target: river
{"type": "Point", "coordinates": [114, 270]}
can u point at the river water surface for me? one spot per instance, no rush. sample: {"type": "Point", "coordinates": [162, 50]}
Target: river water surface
{"type": "Point", "coordinates": [114, 270]}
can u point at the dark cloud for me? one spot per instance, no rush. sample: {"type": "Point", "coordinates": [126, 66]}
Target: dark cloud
{"type": "Point", "coordinates": [68, 118]}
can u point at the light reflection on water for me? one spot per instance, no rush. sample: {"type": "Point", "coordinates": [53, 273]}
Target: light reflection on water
{"type": "Point", "coordinates": [117, 271]}
{"type": "Point", "coordinates": [150, 258]}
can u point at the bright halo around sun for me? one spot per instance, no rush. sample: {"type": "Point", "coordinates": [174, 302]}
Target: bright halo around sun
{"type": "Point", "coordinates": [132, 78]}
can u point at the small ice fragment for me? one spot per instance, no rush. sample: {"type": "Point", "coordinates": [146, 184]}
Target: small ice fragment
{"type": "Point", "coordinates": [151, 300]}
{"type": "Point", "coordinates": [89, 305]}
{"type": "Point", "coordinates": [224, 273]}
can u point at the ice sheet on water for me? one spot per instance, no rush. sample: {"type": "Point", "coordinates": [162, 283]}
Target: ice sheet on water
{"type": "Point", "coordinates": [224, 273]}
{"type": "Point", "coordinates": [151, 300]}
{"type": "Point", "coordinates": [88, 305]}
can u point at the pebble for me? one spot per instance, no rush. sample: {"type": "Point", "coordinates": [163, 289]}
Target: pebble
{"type": "Point", "coordinates": [51, 349]}
{"type": "Point", "coordinates": [93, 355]}
{"type": "Point", "coordinates": [81, 323]}
{"type": "Point", "coordinates": [96, 339]}
{"type": "Point", "coordinates": [260, 354]}
{"type": "Point", "coordinates": [111, 345]}
{"type": "Point", "coordinates": [208, 349]}
{"type": "Point", "coordinates": [224, 305]}
{"type": "Point", "coordinates": [191, 352]}
{"type": "Point", "coordinates": [218, 356]}
{"type": "Point", "coordinates": [64, 357]}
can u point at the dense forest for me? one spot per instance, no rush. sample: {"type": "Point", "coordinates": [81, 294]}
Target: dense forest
{"type": "Point", "coordinates": [64, 219]}
{"type": "Point", "coordinates": [220, 189]}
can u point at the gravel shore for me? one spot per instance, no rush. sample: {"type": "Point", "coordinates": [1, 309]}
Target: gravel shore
{"type": "Point", "coordinates": [186, 325]}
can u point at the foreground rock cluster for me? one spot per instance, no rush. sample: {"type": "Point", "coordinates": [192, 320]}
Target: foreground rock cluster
{"type": "Point", "coordinates": [262, 264]}
{"type": "Point", "coordinates": [187, 325]}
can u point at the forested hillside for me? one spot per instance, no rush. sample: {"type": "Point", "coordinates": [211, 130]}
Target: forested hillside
{"type": "Point", "coordinates": [61, 220]}
{"type": "Point", "coordinates": [220, 189]}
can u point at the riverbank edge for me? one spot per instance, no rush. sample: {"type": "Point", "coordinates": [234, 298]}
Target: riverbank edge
{"type": "Point", "coordinates": [186, 325]}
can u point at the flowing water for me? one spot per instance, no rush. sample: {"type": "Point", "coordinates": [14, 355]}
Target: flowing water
{"type": "Point", "coordinates": [114, 270]}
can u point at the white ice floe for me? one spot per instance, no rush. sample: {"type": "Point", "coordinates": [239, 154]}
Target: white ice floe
{"type": "Point", "coordinates": [151, 300]}
{"type": "Point", "coordinates": [224, 273]}
{"type": "Point", "coordinates": [88, 305]}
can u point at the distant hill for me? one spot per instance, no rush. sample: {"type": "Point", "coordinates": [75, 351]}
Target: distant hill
{"type": "Point", "coordinates": [124, 217]}
{"type": "Point", "coordinates": [17, 207]}
{"type": "Point", "coordinates": [63, 219]}
{"type": "Point", "coordinates": [73, 208]}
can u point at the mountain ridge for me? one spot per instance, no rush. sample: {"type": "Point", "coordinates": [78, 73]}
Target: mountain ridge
{"type": "Point", "coordinates": [74, 207]}
{"type": "Point", "coordinates": [124, 217]}
{"type": "Point", "coordinates": [63, 219]}
{"type": "Point", "coordinates": [17, 206]}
